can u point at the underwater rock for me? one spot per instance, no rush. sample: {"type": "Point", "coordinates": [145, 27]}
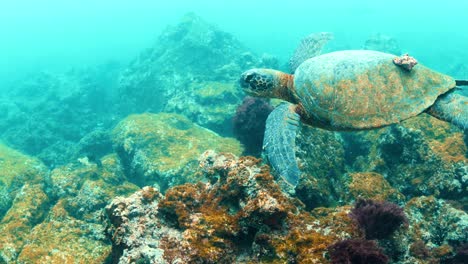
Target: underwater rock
{"type": "Point", "coordinates": [162, 149]}
{"type": "Point", "coordinates": [47, 114]}
{"type": "Point", "coordinates": [370, 185]}
{"type": "Point", "coordinates": [16, 170]}
{"type": "Point", "coordinates": [208, 104]}
{"type": "Point", "coordinates": [188, 52]}
{"type": "Point", "coordinates": [420, 156]}
{"type": "Point", "coordinates": [54, 217]}
{"type": "Point", "coordinates": [28, 208]}
{"type": "Point", "coordinates": [84, 188]}
{"type": "Point", "coordinates": [61, 238]}
{"type": "Point", "coordinates": [383, 43]}
{"type": "Point", "coordinates": [321, 159]}
{"type": "Point", "coordinates": [241, 216]}
{"type": "Point", "coordinates": [436, 229]}
{"type": "Point", "coordinates": [192, 69]}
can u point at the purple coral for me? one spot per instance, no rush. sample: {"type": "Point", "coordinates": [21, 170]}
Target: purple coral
{"type": "Point", "coordinates": [249, 123]}
{"type": "Point", "coordinates": [356, 251]}
{"type": "Point", "coordinates": [378, 219]}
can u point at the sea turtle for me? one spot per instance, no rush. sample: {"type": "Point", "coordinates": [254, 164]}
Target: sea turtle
{"type": "Point", "coordinates": [349, 90]}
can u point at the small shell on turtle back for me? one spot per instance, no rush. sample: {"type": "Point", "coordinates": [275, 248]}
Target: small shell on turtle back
{"type": "Point", "coordinates": [405, 61]}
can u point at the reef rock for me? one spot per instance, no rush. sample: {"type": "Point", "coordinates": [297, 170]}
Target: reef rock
{"type": "Point", "coordinates": [192, 69]}
{"type": "Point", "coordinates": [46, 114]}
{"type": "Point", "coordinates": [241, 216]}
{"type": "Point", "coordinates": [421, 156]}
{"type": "Point", "coordinates": [436, 230]}
{"type": "Point", "coordinates": [163, 149]}
{"type": "Point", "coordinates": [16, 170]}
{"type": "Point", "coordinates": [322, 160]}
{"type": "Point", "coordinates": [54, 217]}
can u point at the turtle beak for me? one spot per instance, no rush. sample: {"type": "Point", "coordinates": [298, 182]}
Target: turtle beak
{"type": "Point", "coordinates": [245, 79]}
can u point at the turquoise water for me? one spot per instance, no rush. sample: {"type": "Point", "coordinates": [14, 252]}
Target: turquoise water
{"type": "Point", "coordinates": [125, 136]}
{"type": "Point", "coordinates": [54, 34]}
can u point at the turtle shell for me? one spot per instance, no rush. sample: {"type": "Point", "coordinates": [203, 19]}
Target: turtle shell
{"type": "Point", "coordinates": [359, 89]}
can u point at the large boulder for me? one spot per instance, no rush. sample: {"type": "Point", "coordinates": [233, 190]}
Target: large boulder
{"type": "Point", "coordinates": [421, 156]}
{"type": "Point", "coordinates": [17, 169]}
{"type": "Point", "coordinates": [163, 149]}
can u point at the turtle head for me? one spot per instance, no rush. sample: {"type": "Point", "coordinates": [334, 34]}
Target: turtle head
{"type": "Point", "coordinates": [258, 82]}
{"type": "Point", "coordinates": [268, 83]}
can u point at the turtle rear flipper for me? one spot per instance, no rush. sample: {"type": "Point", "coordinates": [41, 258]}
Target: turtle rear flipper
{"type": "Point", "coordinates": [451, 107]}
{"type": "Point", "coordinates": [279, 142]}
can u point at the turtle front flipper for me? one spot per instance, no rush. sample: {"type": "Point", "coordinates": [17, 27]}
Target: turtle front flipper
{"type": "Point", "coordinates": [452, 107]}
{"type": "Point", "coordinates": [279, 142]}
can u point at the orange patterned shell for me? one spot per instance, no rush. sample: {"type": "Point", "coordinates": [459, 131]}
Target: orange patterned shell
{"type": "Point", "coordinates": [362, 89]}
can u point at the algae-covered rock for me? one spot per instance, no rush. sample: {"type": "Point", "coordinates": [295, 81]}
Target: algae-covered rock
{"type": "Point", "coordinates": [192, 69]}
{"type": "Point", "coordinates": [208, 104]}
{"type": "Point", "coordinates": [28, 208]}
{"type": "Point", "coordinates": [371, 185]}
{"type": "Point", "coordinates": [421, 156]}
{"type": "Point", "coordinates": [163, 149]}
{"type": "Point", "coordinates": [435, 230]}
{"type": "Point", "coordinates": [54, 218]}
{"type": "Point", "coordinates": [191, 51]}
{"type": "Point", "coordinates": [322, 160]}
{"type": "Point", "coordinates": [242, 216]}
{"type": "Point", "coordinates": [16, 169]}
{"type": "Point", "coordinates": [84, 188]}
{"type": "Point", "coordinates": [46, 114]}
{"type": "Point", "coordinates": [61, 238]}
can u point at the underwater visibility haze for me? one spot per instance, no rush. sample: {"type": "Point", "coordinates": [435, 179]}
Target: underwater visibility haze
{"type": "Point", "coordinates": [233, 132]}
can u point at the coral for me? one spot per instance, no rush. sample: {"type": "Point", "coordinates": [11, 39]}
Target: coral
{"type": "Point", "coordinates": [163, 149]}
{"type": "Point", "coordinates": [249, 123]}
{"type": "Point", "coordinates": [240, 216]}
{"type": "Point", "coordinates": [378, 219]}
{"type": "Point", "coordinates": [356, 251]}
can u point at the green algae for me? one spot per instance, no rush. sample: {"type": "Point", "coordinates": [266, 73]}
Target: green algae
{"type": "Point", "coordinates": [165, 147]}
